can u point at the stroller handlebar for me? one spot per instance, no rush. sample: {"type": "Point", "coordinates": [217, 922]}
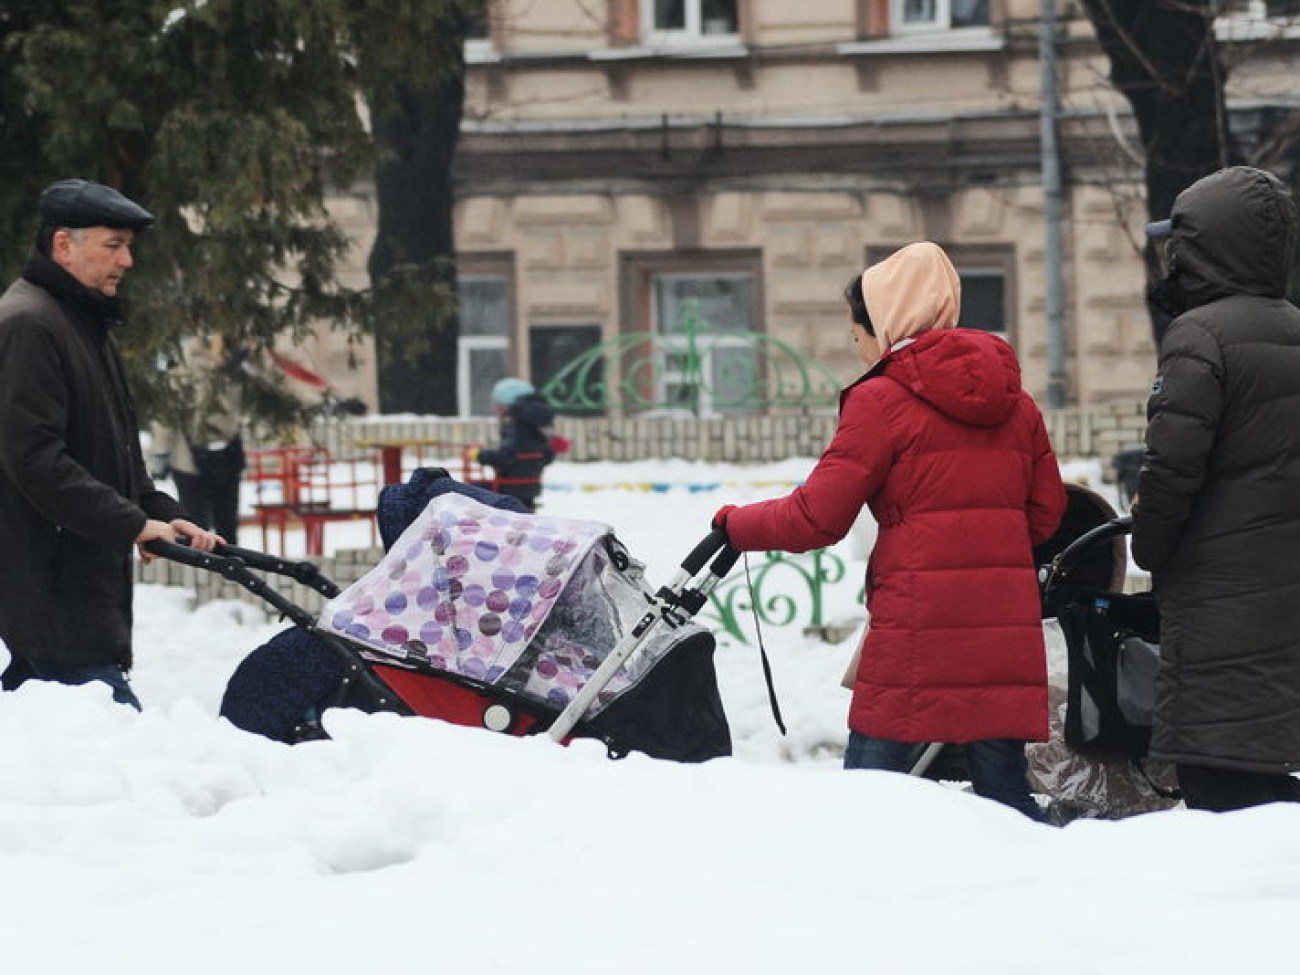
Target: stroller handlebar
{"type": "Point", "coordinates": [677, 601]}
{"type": "Point", "coordinates": [714, 542]}
{"type": "Point", "coordinates": [184, 554]}
{"type": "Point", "coordinates": [1107, 530]}
{"type": "Point", "coordinates": [307, 573]}
{"type": "Point", "coordinates": [1054, 573]}
{"type": "Point", "coordinates": [725, 561]}
{"type": "Point", "coordinates": [226, 563]}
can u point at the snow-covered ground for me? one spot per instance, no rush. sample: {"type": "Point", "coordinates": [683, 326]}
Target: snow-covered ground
{"type": "Point", "coordinates": [170, 842]}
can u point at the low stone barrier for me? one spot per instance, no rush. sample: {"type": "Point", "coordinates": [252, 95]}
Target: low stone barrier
{"type": "Point", "coordinates": [1093, 431]}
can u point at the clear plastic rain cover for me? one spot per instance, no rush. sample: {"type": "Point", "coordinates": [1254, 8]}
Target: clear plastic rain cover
{"type": "Point", "coordinates": [1081, 786]}
{"type": "Point", "coordinates": [527, 603]}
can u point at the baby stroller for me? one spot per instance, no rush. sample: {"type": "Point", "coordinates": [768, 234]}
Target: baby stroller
{"type": "Point", "coordinates": [482, 615]}
{"type": "Point", "coordinates": [1103, 691]}
{"type": "Point", "coordinates": [1101, 674]}
{"type": "Point", "coordinates": [1113, 644]}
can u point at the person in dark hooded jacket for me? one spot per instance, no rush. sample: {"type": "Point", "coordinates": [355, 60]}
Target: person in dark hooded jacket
{"type": "Point", "coordinates": [952, 457]}
{"type": "Point", "coordinates": [525, 447]}
{"type": "Point", "coordinates": [1217, 515]}
{"type": "Point", "coordinates": [74, 493]}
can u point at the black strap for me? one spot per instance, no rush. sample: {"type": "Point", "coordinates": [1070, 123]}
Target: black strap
{"type": "Point", "coordinates": [762, 651]}
{"type": "Point", "coordinates": [1162, 792]}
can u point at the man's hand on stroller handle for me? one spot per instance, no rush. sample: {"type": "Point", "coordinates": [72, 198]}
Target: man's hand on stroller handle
{"type": "Point", "coordinates": [199, 538]}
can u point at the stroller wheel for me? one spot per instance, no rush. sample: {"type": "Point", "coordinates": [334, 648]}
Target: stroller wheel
{"type": "Point", "coordinates": [497, 717]}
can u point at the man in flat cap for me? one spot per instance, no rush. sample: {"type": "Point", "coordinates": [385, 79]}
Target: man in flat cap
{"type": "Point", "coordinates": [74, 493]}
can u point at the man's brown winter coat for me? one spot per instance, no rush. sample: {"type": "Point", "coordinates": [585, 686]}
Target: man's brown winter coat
{"type": "Point", "coordinates": [1218, 516]}
{"type": "Point", "coordinates": [73, 489]}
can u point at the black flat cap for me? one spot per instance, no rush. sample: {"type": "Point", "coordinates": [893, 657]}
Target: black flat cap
{"type": "Point", "coordinates": [80, 203]}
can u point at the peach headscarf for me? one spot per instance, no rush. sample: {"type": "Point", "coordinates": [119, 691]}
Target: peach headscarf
{"type": "Point", "coordinates": [912, 291]}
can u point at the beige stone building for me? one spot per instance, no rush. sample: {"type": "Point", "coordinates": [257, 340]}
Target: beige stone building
{"type": "Point", "coordinates": [627, 165]}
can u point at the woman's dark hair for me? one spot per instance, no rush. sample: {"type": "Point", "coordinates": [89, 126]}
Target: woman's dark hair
{"type": "Point", "coordinates": [858, 304]}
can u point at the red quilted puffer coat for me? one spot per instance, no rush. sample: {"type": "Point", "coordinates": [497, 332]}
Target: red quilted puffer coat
{"type": "Point", "coordinates": [952, 457]}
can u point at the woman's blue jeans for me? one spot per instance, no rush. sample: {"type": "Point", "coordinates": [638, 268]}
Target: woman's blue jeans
{"type": "Point", "coordinates": [997, 766]}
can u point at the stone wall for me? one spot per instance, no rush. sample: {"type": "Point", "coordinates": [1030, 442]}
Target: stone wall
{"type": "Point", "coordinates": [1097, 431]}
{"type": "Point", "coordinates": [731, 440]}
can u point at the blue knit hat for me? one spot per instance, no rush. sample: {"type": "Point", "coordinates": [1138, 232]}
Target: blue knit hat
{"type": "Point", "coordinates": [506, 391]}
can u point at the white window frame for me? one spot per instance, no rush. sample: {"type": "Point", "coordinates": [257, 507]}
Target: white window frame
{"type": "Point", "coordinates": [692, 35]}
{"type": "Point", "coordinates": [480, 50]}
{"type": "Point", "coordinates": [942, 20]}
{"type": "Point", "coordinates": [706, 346]}
{"type": "Point", "coordinates": [467, 344]}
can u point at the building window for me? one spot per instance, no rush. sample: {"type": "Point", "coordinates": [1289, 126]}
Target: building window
{"type": "Point", "coordinates": [478, 37]}
{"type": "Point", "coordinates": [1280, 9]}
{"type": "Point", "coordinates": [486, 328]}
{"type": "Point", "coordinates": [704, 310]}
{"type": "Point", "coordinates": [1263, 9]}
{"type": "Point", "coordinates": [690, 21]}
{"type": "Point", "coordinates": [710, 366]}
{"type": "Point", "coordinates": [477, 28]}
{"type": "Point", "coordinates": [552, 348]}
{"type": "Point", "coordinates": [984, 301]}
{"type": "Point", "coordinates": [987, 273]}
{"type": "Point", "coordinates": [930, 15]}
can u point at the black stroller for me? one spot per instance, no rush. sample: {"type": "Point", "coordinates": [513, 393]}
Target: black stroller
{"type": "Point", "coordinates": [485, 616]}
{"type": "Point", "coordinates": [1101, 690]}
{"type": "Point", "coordinates": [1113, 641]}
{"type": "Point", "coordinates": [1097, 763]}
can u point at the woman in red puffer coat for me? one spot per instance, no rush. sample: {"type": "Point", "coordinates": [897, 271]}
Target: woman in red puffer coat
{"type": "Point", "coordinates": [951, 455]}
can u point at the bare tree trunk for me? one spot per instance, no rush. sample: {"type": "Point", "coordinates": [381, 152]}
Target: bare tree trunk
{"type": "Point", "coordinates": [414, 252]}
{"type": "Point", "coordinates": [1164, 60]}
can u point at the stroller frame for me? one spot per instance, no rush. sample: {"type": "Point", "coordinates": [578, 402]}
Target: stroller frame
{"type": "Point", "coordinates": [235, 564]}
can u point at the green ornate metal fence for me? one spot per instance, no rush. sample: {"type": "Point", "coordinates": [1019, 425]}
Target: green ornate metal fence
{"type": "Point", "coordinates": [766, 592]}
{"type": "Point", "coordinates": [692, 368]}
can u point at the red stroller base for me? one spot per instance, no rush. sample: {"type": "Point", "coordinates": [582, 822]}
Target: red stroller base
{"type": "Point", "coordinates": [432, 697]}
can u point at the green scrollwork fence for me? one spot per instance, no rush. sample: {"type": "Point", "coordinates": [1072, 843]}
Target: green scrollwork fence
{"type": "Point", "coordinates": [694, 368]}
{"type": "Point", "coordinates": [766, 592]}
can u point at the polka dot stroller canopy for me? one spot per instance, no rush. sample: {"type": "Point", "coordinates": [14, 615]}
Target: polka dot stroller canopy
{"type": "Point", "coordinates": [527, 603]}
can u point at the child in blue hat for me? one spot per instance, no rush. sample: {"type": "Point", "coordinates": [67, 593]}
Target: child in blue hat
{"type": "Point", "coordinates": [525, 447]}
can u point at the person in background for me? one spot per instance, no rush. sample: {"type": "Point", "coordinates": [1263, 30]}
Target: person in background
{"type": "Point", "coordinates": [526, 441]}
{"type": "Point", "coordinates": [74, 492]}
{"type": "Point", "coordinates": [1216, 519]}
{"type": "Point", "coordinates": [951, 456]}
{"type": "Point", "coordinates": [206, 456]}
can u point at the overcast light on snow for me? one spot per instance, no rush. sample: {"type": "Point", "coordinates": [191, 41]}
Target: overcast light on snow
{"type": "Point", "coordinates": [171, 842]}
